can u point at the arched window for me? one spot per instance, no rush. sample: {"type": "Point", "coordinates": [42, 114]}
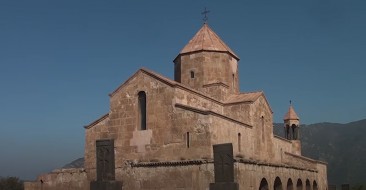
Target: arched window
{"type": "Point", "coordinates": [192, 74]}
{"type": "Point", "coordinates": [263, 185]}
{"type": "Point", "coordinates": [307, 185]}
{"type": "Point", "coordinates": [142, 110]}
{"type": "Point", "coordinates": [277, 184]}
{"type": "Point", "coordinates": [299, 185]}
{"type": "Point", "coordinates": [239, 142]}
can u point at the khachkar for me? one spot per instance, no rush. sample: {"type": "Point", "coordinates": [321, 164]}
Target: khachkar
{"type": "Point", "coordinates": [105, 167]}
{"type": "Point", "coordinates": [224, 168]}
{"type": "Point", "coordinates": [345, 187]}
{"type": "Point", "coordinates": [332, 187]}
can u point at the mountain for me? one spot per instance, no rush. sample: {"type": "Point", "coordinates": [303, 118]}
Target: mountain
{"type": "Point", "coordinates": [78, 163]}
{"type": "Point", "coordinates": [342, 146]}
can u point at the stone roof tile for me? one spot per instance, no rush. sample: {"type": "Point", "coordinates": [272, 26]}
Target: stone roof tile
{"type": "Point", "coordinates": [207, 39]}
{"type": "Point", "coordinates": [291, 114]}
{"type": "Point", "coordinates": [244, 97]}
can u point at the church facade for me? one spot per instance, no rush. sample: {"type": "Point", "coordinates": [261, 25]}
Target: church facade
{"type": "Point", "coordinates": [164, 130]}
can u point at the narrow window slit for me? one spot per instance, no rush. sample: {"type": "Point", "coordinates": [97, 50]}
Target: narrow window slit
{"type": "Point", "coordinates": [142, 110]}
{"type": "Point", "coordinates": [239, 142]}
{"type": "Point", "coordinates": [187, 139]}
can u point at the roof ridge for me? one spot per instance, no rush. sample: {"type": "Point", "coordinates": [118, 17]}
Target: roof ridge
{"type": "Point", "coordinates": [220, 40]}
{"type": "Point", "coordinates": [209, 37]}
{"type": "Point", "coordinates": [251, 92]}
{"type": "Point", "coordinates": [176, 84]}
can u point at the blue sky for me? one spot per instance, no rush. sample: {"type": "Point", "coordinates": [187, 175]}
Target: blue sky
{"type": "Point", "coordinates": [59, 60]}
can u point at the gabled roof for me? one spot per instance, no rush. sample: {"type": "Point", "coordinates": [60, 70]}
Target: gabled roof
{"type": "Point", "coordinates": [291, 114]}
{"type": "Point", "coordinates": [244, 97]}
{"type": "Point", "coordinates": [249, 97]}
{"type": "Point", "coordinates": [207, 39]}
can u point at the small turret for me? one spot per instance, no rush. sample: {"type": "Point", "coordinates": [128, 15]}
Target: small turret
{"type": "Point", "coordinates": [292, 124]}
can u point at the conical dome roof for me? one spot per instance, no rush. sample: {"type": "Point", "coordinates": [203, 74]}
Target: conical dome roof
{"type": "Point", "coordinates": [291, 115]}
{"type": "Point", "coordinates": [207, 39]}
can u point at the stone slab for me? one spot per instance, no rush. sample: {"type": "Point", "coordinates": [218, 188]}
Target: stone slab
{"type": "Point", "coordinates": [345, 187]}
{"type": "Point", "coordinates": [223, 162]}
{"type": "Point", "coordinates": [224, 186]}
{"type": "Point", "coordinates": [105, 159]}
{"type": "Point", "coordinates": [332, 187]}
{"type": "Point", "coordinates": [106, 185]}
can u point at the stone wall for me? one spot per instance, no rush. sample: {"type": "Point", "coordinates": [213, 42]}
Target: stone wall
{"type": "Point", "coordinates": [196, 100]}
{"type": "Point", "coordinates": [282, 145]}
{"type": "Point", "coordinates": [197, 175]}
{"type": "Point", "coordinates": [216, 90]}
{"type": "Point", "coordinates": [239, 134]}
{"type": "Point", "coordinates": [63, 179]}
{"type": "Point", "coordinates": [189, 175]}
{"type": "Point", "coordinates": [183, 124]}
{"type": "Point", "coordinates": [209, 67]}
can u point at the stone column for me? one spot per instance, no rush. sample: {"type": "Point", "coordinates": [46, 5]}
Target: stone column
{"type": "Point", "coordinates": [285, 132]}
{"type": "Point", "coordinates": [295, 133]}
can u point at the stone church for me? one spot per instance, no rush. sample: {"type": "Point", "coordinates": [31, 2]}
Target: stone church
{"type": "Point", "coordinates": [164, 130]}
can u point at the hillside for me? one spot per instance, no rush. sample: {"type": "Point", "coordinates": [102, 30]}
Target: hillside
{"type": "Point", "coordinates": [342, 146]}
{"type": "Point", "coordinates": [78, 163]}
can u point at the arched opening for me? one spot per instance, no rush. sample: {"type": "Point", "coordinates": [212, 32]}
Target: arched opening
{"type": "Point", "coordinates": [315, 185]}
{"type": "Point", "coordinates": [263, 185]}
{"type": "Point", "coordinates": [287, 132]}
{"type": "Point", "coordinates": [308, 187]}
{"type": "Point", "coordinates": [290, 186]}
{"type": "Point", "coordinates": [192, 74]}
{"type": "Point", "coordinates": [299, 184]}
{"type": "Point", "coordinates": [142, 110]}
{"type": "Point", "coordinates": [239, 142]}
{"type": "Point", "coordinates": [294, 131]}
{"type": "Point", "coordinates": [277, 184]}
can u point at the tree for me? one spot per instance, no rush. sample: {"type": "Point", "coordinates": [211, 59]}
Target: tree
{"type": "Point", "coordinates": [359, 187]}
{"type": "Point", "coordinates": [11, 183]}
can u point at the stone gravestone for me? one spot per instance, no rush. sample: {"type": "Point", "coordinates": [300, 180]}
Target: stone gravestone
{"type": "Point", "coordinates": [224, 168]}
{"type": "Point", "coordinates": [345, 187]}
{"type": "Point", "coordinates": [332, 187]}
{"type": "Point", "coordinates": [105, 167]}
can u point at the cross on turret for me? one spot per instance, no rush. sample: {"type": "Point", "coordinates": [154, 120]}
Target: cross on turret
{"type": "Point", "coordinates": [205, 13]}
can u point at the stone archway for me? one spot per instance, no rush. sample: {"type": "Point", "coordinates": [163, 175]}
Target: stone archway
{"type": "Point", "coordinates": [263, 185]}
{"type": "Point", "coordinates": [277, 184]}
{"type": "Point", "coordinates": [315, 185]}
{"type": "Point", "coordinates": [308, 187]}
{"type": "Point", "coordinates": [290, 185]}
{"type": "Point", "coordinates": [299, 185]}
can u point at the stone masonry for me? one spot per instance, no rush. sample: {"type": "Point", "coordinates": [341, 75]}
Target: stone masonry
{"type": "Point", "coordinates": [164, 129]}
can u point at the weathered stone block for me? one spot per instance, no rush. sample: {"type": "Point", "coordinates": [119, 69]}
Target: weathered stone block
{"type": "Point", "coordinates": [224, 186]}
{"type": "Point", "coordinates": [106, 185]}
